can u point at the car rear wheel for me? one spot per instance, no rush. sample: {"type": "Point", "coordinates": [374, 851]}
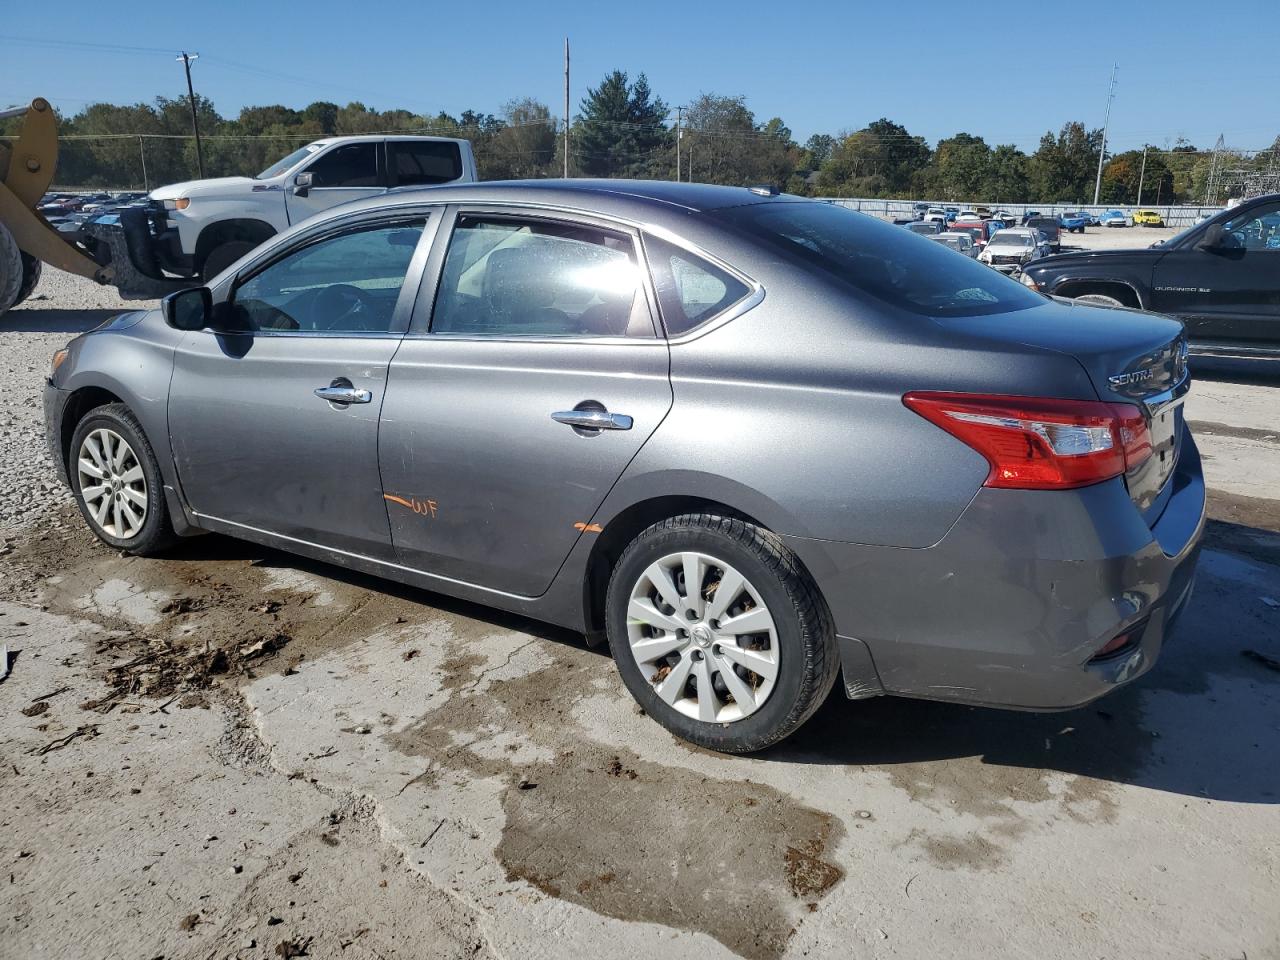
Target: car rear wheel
{"type": "Point", "coordinates": [117, 482]}
{"type": "Point", "coordinates": [718, 632]}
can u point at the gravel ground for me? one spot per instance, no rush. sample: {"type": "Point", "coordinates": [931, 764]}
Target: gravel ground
{"type": "Point", "coordinates": [62, 306]}
{"type": "Point", "coordinates": [231, 752]}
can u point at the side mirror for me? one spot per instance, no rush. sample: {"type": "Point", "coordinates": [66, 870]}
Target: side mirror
{"type": "Point", "coordinates": [1212, 238]}
{"type": "Point", "coordinates": [190, 309]}
{"type": "Point", "coordinates": [302, 184]}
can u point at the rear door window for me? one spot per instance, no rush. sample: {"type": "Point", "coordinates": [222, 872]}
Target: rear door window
{"type": "Point", "coordinates": [691, 290]}
{"type": "Point", "coordinates": [424, 162]}
{"type": "Point", "coordinates": [515, 277]}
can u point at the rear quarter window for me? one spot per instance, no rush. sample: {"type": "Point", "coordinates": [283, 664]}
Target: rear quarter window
{"type": "Point", "coordinates": [691, 290]}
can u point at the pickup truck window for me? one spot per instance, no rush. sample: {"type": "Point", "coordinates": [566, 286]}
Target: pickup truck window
{"type": "Point", "coordinates": [350, 165]}
{"type": "Point", "coordinates": [421, 162]}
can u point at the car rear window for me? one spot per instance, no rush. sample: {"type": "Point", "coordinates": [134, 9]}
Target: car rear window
{"type": "Point", "coordinates": [874, 257]}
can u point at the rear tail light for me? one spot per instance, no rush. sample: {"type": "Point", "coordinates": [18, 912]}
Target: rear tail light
{"type": "Point", "coordinates": [1034, 443]}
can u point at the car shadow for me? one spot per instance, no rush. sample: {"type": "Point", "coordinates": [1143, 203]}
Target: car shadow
{"type": "Point", "coordinates": [214, 547]}
{"type": "Point", "coordinates": [1201, 723]}
{"type": "Point", "coordinates": [54, 321]}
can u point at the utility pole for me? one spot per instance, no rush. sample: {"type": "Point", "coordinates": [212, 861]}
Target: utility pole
{"type": "Point", "coordinates": [146, 184]}
{"type": "Point", "coordinates": [679, 135]}
{"type": "Point", "coordinates": [186, 58]}
{"type": "Point", "coordinates": [1106, 124]}
{"type": "Point", "coordinates": [1143, 175]}
{"type": "Point", "coordinates": [566, 108]}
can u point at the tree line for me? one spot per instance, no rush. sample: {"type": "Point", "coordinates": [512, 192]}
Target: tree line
{"type": "Point", "coordinates": [624, 129]}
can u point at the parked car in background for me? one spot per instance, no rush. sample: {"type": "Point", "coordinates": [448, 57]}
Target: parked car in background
{"type": "Point", "coordinates": [980, 230]}
{"type": "Point", "coordinates": [532, 436]}
{"type": "Point", "coordinates": [1013, 248]}
{"type": "Point", "coordinates": [1008, 218]}
{"type": "Point", "coordinates": [1050, 228]}
{"type": "Point", "coordinates": [935, 213]}
{"type": "Point", "coordinates": [951, 213]}
{"type": "Point", "coordinates": [1028, 215]}
{"type": "Point", "coordinates": [966, 215]}
{"type": "Point", "coordinates": [1114, 218]}
{"type": "Point", "coordinates": [1218, 277]}
{"type": "Point", "coordinates": [984, 213]}
{"type": "Point", "coordinates": [927, 228]}
{"type": "Point", "coordinates": [957, 241]}
{"type": "Point", "coordinates": [1147, 218]}
{"type": "Point", "coordinates": [1074, 222]}
{"type": "Point", "coordinates": [918, 210]}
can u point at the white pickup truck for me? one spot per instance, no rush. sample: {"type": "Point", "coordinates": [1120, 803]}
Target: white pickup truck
{"type": "Point", "coordinates": [194, 230]}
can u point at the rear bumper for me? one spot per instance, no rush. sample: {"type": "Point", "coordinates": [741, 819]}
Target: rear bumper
{"type": "Point", "coordinates": [1011, 606]}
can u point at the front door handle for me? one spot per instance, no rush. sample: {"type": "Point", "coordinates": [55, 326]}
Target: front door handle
{"type": "Point", "coordinates": [593, 419]}
{"type": "Point", "coordinates": [343, 392]}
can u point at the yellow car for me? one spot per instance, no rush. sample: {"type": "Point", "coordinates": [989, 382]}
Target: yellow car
{"type": "Point", "coordinates": [1147, 218]}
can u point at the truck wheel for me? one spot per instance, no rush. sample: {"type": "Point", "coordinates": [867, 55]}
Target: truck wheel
{"type": "Point", "coordinates": [1099, 299]}
{"type": "Point", "coordinates": [719, 633]}
{"type": "Point", "coordinates": [10, 270]}
{"type": "Point", "coordinates": [220, 258]}
{"type": "Point", "coordinates": [31, 269]}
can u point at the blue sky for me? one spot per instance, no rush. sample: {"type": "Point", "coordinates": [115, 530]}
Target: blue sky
{"type": "Point", "coordinates": [1003, 71]}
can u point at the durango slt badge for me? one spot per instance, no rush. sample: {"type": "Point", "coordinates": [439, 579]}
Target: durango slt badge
{"type": "Point", "coordinates": [1136, 376]}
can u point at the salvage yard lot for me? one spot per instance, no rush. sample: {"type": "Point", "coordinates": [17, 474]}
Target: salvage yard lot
{"type": "Point", "coordinates": [232, 750]}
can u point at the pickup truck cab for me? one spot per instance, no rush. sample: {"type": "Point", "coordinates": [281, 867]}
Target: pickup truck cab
{"type": "Point", "coordinates": [201, 227]}
{"type": "Point", "coordinates": [1220, 277]}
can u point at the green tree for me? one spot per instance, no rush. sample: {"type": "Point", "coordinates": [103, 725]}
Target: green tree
{"type": "Point", "coordinates": [1064, 167]}
{"type": "Point", "coordinates": [620, 129]}
{"type": "Point", "coordinates": [881, 160]}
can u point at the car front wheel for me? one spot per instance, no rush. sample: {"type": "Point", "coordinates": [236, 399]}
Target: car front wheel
{"type": "Point", "coordinates": [117, 482]}
{"type": "Point", "coordinates": [719, 633]}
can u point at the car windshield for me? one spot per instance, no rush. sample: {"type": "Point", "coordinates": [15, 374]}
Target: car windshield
{"type": "Point", "coordinates": [1004, 239]}
{"type": "Point", "coordinates": [286, 163]}
{"type": "Point", "coordinates": [874, 257]}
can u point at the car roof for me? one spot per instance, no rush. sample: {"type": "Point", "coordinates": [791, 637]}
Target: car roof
{"type": "Point", "coordinates": [637, 200]}
{"type": "Point", "coordinates": [379, 137]}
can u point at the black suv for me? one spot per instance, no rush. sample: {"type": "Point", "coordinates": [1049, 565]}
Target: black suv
{"type": "Point", "coordinates": [1220, 277]}
{"type": "Point", "coordinates": [1051, 227]}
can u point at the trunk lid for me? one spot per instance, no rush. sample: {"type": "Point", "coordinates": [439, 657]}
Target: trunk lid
{"type": "Point", "coordinates": [1130, 357]}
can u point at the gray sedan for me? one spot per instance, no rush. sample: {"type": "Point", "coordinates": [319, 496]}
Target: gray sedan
{"type": "Point", "coordinates": [757, 443]}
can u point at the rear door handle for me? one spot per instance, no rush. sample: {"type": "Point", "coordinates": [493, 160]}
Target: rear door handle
{"type": "Point", "coordinates": [343, 393]}
{"type": "Point", "coordinates": [593, 419]}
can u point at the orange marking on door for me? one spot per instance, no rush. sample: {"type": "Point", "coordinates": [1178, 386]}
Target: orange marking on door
{"type": "Point", "coordinates": [588, 527]}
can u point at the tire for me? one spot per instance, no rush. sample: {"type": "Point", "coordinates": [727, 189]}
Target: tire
{"type": "Point", "coordinates": [154, 533]}
{"type": "Point", "coordinates": [1100, 299]}
{"type": "Point", "coordinates": [10, 269]}
{"type": "Point", "coordinates": [223, 256]}
{"type": "Point", "coordinates": [31, 270]}
{"type": "Point", "coordinates": [798, 646]}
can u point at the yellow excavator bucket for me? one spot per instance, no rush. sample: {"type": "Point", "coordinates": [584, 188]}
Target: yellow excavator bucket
{"type": "Point", "coordinates": [27, 166]}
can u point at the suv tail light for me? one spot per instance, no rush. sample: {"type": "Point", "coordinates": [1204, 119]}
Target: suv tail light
{"type": "Point", "coordinates": [1034, 443]}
